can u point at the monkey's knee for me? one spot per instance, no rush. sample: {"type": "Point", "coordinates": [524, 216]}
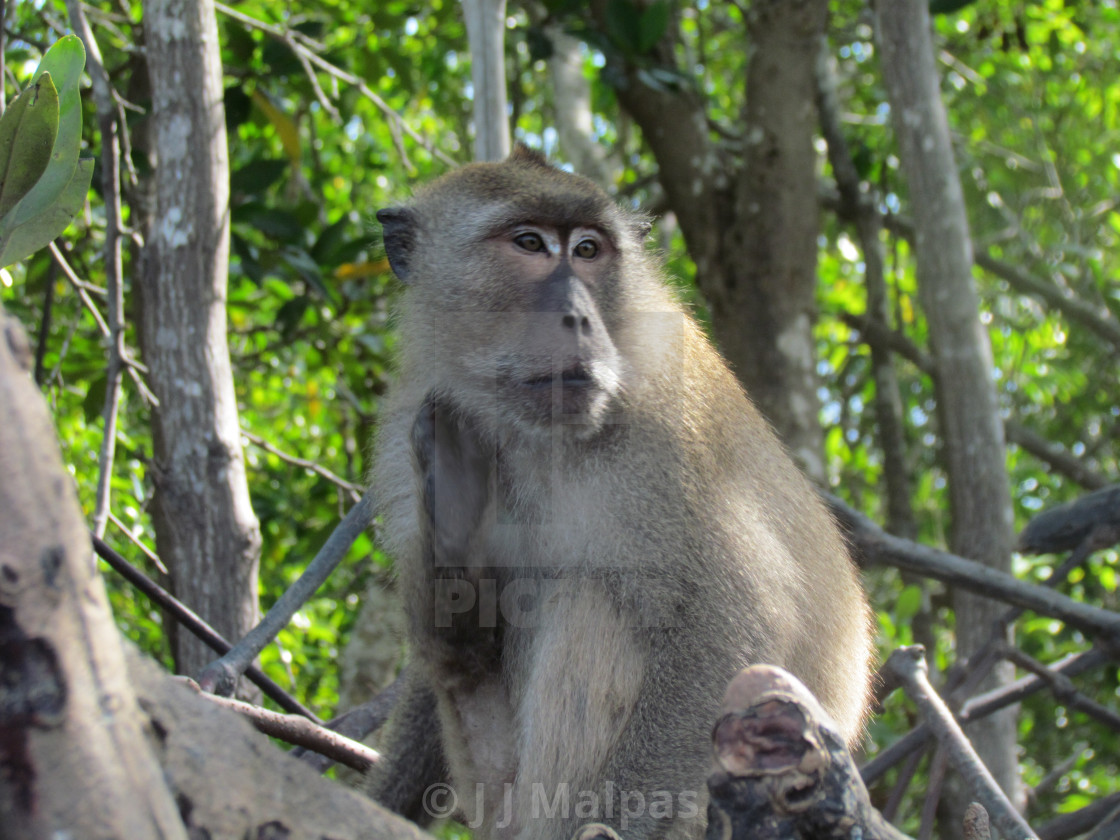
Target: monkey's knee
{"type": "Point", "coordinates": [596, 831]}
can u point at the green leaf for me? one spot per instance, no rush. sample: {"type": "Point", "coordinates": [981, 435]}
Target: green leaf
{"type": "Point", "coordinates": [652, 25]}
{"type": "Point", "coordinates": [290, 314]}
{"type": "Point", "coordinates": [306, 267]}
{"type": "Point", "coordinates": [272, 222]}
{"type": "Point", "coordinates": [95, 398]}
{"type": "Point", "coordinates": [27, 132]}
{"type": "Point", "coordinates": [63, 65]}
{"type": "Point", "coordinates": [624, 25]}
{"type": "Point", "coordinates": [18, 241]}
{"type": "Point", "coordinates": [257, 176]}
{"type": "Point", "coordinates": [908, 604]}
{"type": "Point", "coordinates": [330, 241]}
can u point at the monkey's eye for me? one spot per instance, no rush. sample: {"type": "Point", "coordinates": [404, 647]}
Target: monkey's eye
{"type": "Point", "coordinates": [530, 242]}
{"type": "Point", "coordinates": [586, 249]}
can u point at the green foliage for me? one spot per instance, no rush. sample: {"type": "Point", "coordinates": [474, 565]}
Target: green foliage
{"type": "Point", "coordinates": [1034, 104]}
{"type": "Point", "coordinates": [43, 184]}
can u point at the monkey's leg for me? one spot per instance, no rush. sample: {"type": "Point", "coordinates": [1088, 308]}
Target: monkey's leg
{"type": "Point", "coordinates": [412, 758]}
{"type": "Point", "coordinates": [617, 727]}
{"type": "Point", "coordinates": [460, 632]}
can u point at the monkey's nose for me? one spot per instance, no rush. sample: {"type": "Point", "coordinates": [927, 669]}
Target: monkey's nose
{"type": "Point", "coordinates": [570, 321]}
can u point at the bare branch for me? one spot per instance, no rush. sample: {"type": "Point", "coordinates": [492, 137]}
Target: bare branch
{"type": "Point", "coordinates": [909, 665]}
{"type": "Point", "coordinates": [874, 546]}
{"type": "Point", "coordinates": [1053, 455]}
{"type": "Point", "coordinates": [81, 287]}
{"type": "Point", "coordinates": [220, 677]}
{"type": "Point", "coordinates": [201, 630]}
{"type": "Point", "coordinates": [354, 490]}
{"type": "Point", "coordinates": [298, 730]}
{"type": "Point", "coordinates": [111, 196]}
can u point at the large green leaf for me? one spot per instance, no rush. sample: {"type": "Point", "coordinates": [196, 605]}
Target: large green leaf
{"type": "Point", "coordinates": [27, 132]}
{"type": "Point", "coordinates": [21, 240]}
{"type": "Point", "coordinates": [63, 63]}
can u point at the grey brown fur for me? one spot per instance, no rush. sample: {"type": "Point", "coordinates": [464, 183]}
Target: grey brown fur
{"type": "Point", "coordinates": [565, 445]}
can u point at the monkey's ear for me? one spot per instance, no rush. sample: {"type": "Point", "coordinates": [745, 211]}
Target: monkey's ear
{"type": "Point", "coordinates": [399, 232]}
{"type": "Point", "coordinates": [641, 225]}
{"type": "Point", "coordinates": [523, 154]}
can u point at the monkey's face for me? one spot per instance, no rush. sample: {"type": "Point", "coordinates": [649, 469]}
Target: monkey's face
{"type": "Point", "coordinates": [515, 295]}
{"type": "Point", "coordinates": [552, 354]}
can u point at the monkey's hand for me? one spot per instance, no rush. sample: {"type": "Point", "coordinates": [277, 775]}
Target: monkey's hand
{"type": "Point", "coordinates": [456, 475]}
{"type": "Point", "coordinates": [455, 468]}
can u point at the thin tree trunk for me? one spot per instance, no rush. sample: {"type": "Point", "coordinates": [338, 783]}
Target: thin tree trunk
{"type": "Point", "coordinates": [486, 29]}
{"type": "Point", "coordinates": [972, 434]}
{"type": "Point", "coordinates": [751, 224]}
{"type": "Point", "coordinates": [766, 327]}
{"type": "Point", "coordinates": [206, 530]}
{"type": "Point", "coordinates": [571, 95]}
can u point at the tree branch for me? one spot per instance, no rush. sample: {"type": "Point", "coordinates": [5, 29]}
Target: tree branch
{"type": "Point", "coordinates": [190, 620]}
{"type": "Point", "coordinates": [297, 730]}
{"type": "Point", "coordinates": [876, 547]}
{"type": "Point", "coordinates": [909, 665]}
{"type": "Point", "coordinates": [114, 285]}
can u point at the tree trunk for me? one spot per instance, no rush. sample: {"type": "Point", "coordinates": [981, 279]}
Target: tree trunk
{"type": "Point", "coordinates": [75, 759]}
{"type": "Point", "coordinates": [486, 29]}
{"type": "Point", "coordinates": [765, 326]}
{"type": "Point", "coordinates": [206, 531]}
{"type": "Point", "coordinates": [751, 224]}
{"type": "Point", "coordinates": [571, 95]}
{"type": "Point", "coordinates": [972, 434]}
{"type": "Point", "coordinates": [94, 740]}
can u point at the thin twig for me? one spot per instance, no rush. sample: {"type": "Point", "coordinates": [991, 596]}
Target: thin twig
{"type": "Point", "coordinates": [354, 490]}
{"type": "Point", "coordinates": [135, 368]}
{"type": "Point", "coordinates": [45, 321]}
{"type": "Point", "coordinates": [147, 552]}
{"type": "Point", "coordinates": [979, 707]}
{"type": "Point", "coordinates": [114, 287]}
{"type": "Point", "coordinates": [1063, 689]}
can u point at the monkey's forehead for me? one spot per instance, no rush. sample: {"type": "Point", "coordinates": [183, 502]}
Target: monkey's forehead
{"type": "Point", "coordinates": [509, 193]}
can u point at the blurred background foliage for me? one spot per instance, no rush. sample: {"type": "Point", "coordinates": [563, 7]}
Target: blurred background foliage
{"type": "Point", "coordinates": [1034, 103]}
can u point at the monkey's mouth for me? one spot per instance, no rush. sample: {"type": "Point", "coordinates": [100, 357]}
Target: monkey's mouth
{"type": "Point", "coordinates": [567, 395]}
{"type": "Point", "coordinates": [577, 376]}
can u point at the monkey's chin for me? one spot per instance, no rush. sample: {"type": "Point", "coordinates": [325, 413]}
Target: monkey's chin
{"type": "Point", "coordinates": [574, 404]}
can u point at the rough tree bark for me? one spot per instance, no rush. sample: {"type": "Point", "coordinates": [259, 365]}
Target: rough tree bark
{"type": "Point", "coordinates": [971, 430]}
{"type": "Point", "coordinates": [71, 743]}
{"type": "Point", "coordinates": [767, 328]}
{"type": "Point", "coordinates": [486, 29]}
{"type": "Point", "coordinates": [206, 531]}
{"type": "Point", "coordinates": [749, 217]}
{"type": "Point", "coordinates": [95, 741]}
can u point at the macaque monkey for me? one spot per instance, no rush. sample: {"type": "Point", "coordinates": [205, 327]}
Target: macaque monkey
{"type": "Point", "coordinates": [593, 527]}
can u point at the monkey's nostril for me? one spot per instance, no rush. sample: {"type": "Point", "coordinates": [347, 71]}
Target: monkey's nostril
{"type": "Point", "coordinates": [569, 321]}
